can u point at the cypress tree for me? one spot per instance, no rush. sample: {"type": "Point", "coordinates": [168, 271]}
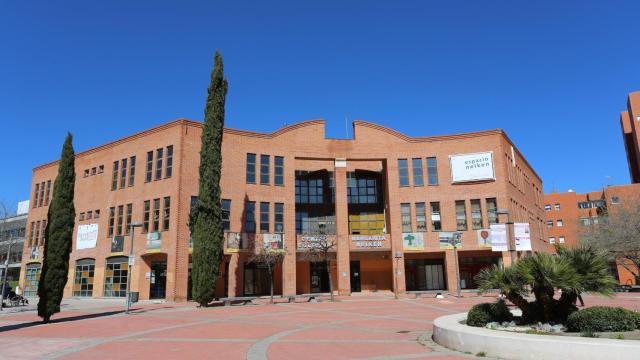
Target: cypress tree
{"type": "Point", "coordinates": [205, 221]}
{"type": "Point", "coordinates": [58, 235]}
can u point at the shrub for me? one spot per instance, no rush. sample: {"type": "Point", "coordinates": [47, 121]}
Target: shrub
{"type": "Point", "coordinates": [482, 314]}
{"type": "Point", "coordinates": [602, 318]}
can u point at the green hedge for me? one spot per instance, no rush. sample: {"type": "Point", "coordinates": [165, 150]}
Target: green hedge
{"type": "Point", "coordinates": [603, 318]}
{"type": "Point", "coordinates": [482, 314]}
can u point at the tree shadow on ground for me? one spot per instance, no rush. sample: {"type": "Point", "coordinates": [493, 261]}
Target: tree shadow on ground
{"type": "Point", "coordinates": [57, 321]}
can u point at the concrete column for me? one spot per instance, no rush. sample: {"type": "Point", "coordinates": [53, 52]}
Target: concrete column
{"type": "Point", "coordinates": [450, 265]}
{"type": "Point", "coordinates": [342, 231]}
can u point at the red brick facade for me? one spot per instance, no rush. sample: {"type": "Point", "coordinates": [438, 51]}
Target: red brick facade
{"type": "Point", "coordinates": [373, 262]}
{"type": "Point", "coordinates": [630, 124]}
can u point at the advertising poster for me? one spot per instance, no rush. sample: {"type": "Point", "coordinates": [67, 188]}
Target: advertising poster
{"type": "Point", "coordinates": [117, 244]}
{"type": "Point", "coordinates": [273, 242]}
{"type": "Point", "coordinates": [472, 167]}
{"type": "Point", "coordinates": [237, 242]}
{"type": "Point", "coordinates": [499, 237]}
{"type": "Point", "coordinates": [522, 234]}
{"type": "Point", "coordinates": [87, 236]}
{"type": "Point", "coordinates": [484, 238]}
{"type": "Point", "coordinates": [449, 239]}
{"type": "Point", "coordinates": [413, 241]}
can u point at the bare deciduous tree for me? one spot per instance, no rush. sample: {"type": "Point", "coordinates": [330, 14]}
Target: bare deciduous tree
{"type": "Point", "coordinates": [321, 248]}
{"type": "Point", "coordinates": [269, 257]}
{"type": "Point", "coordinates": [619, 234]}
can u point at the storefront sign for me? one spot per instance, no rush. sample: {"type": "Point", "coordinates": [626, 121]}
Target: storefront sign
{"type": "Point", "coordinates": [87, 236]}
{"type": "Point", "coordinates": [472, 167]}
{"type": "Point", "coordinates": [522, 234]}
{"type": "Point", "coordinates": [484, 238]}
{"type": "Point", "coordinates": [117, 244]}
{"type": "Point", "coordinates": [273, 242]}
{"type": "Point", "coordinates": [449, 240]}
{"type": "Point", "coordinates": [368, 241]}
{"type": "Point", "coordinates": [413, 241]}
{"type": "Point", "coordinates": [237, 242]}
{"type": "Point", "coordinates": [312, 241]}
{"type": "Point", "coordinates": [499, 237]}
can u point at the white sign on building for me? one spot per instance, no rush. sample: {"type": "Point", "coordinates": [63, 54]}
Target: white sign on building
{"type": "Point", "coordinates": [522, 234]}
{"type": "Point", "coordinates": [472, 167]}
{"type": "Point", "coordinates": [499, 237]}
{"type": "Point", "coordinates": [87, 236]}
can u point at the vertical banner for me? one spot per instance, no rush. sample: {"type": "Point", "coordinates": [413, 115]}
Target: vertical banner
{"type": "Point", "coordinates": [484, 238]}
{"type": "Point", "coordinates": [413, 241]}
{"type": "Point", "coordinates": [499, 237]}
{"type": "Point", "coordinates": [87, 236]}
{"type": "Point", "coordinates": [522, 234]}
{"type": "Point", "coordinates": [273, 242]}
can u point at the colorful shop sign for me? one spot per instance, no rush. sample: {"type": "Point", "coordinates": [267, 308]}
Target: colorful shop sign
{"type": "Point", "coordinates": [413, 241]}
{"type": "Point", "coordinates": [449, 240]}
{"type": "Point", "coordinates": [368, 241]}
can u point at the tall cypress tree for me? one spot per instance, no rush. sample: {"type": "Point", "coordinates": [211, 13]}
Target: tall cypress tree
{"type": "Point", "coordinates": [205, 221]}
{"type": "Point", "coordinates": [58, 235]}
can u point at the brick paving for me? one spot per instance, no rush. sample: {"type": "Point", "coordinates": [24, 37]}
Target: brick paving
{"type": "Point", "coordinates": [359, 327]}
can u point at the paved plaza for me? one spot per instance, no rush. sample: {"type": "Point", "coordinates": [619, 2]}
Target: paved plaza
{"type": "Point", "coordinates": [358, 327]}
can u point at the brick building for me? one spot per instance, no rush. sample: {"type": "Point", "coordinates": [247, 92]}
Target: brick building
{"type": "Point", "coordinates": [388, 200]}
{"type": "Point", "coordinates": [630, 123]}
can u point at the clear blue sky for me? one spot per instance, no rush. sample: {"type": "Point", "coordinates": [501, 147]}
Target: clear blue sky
{"type": "Point", "coordinates": [554, 75]}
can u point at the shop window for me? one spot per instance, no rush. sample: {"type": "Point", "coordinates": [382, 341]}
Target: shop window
{"type": "Point", "coordinates": [31, 280]}
{"type": "Point", "coordinates": [83, 280]}
{"type": "Point", "coordinates": [115, 277]}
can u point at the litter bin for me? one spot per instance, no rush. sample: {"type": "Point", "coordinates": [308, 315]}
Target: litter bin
{"type": "Point", "coordinates": [133, 297]}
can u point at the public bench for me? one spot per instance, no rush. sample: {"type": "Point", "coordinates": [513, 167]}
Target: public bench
{"type": "Point", "coordinates": [244, 300]}
{"type": "Point", "coordinates": [309, 298]}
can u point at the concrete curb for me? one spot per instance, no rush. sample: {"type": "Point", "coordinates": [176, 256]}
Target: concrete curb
{"type": "Point", "coordinates": [449, 332]}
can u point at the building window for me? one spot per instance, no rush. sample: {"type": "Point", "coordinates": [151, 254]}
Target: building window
{"type": "Point", "coordinates": [559, 223]}
{"type": "Point", "coordinates": [561, 239]}
{"type": "Point", "coordinates": [81, 217]}
{"type": "Point", "coordinates": [41, 194]}
{"type": "Point", "coordinates": [93, 171]}
{"type": "Point", "coordinates": [416, 165]}
{"type": "Point", "coordinates": [89, 214]}
{"type": "Point", "coordinates": [31, 280]}
{"type": "Point", "coordinates": [264, 169]}
{"type": "Point", "coordinates": [264, 217]}
{"type": "Point", "coordinates": [86, 173]}
{"type": "Point", "coordinates": [46, 199]}
{"type": "Point", "coordinates": [36, 194]}
{"type": "Point", "coordinates": [557, 207]}
{"type": "Point", "coordinates": [96, 214]}
{"type": "Point", "coordinates": [309, 191]}
{"type": "Point", "coordinates": [403, 172]}
{"type": "Point", "coordinates": [44, 232]}
{"type": "Point", "coordinates": [149, 175]}
{"type": "Point", "coordinates": [250, 216]}
{"type": "Point", "coordinates": [278, 170]}
{"type": "Point", "coordinates": [146, 214]}
{"type": "Point", "coordinates": [251, 168]}
{"type": "Point", "coordinates": [166, 213]}
{"type": "Point", "coordinates": [476, 214]}
{"type": "Point", "coordinates": [492, 210]}
{"type": "Point", "coordinates": [279, 217]}
{"type": "Point", "coordinates": [115, 278]}
{"type": "Point", "coordinates": [549, 223]}
{"type": "Point", "coordinates": [120, 220]}
{"type": "Point", "coordinates": [123, 174]}
{"type": "Point", "coordinates": [127, 222]}
{"type": "Point", "coordinates": [461, 216]}
{"type": "Point", "coordinates": [100, 169]}
{"type": "Point", "coordinates": [156, 215]}
{"type": "Point", "coordinates": [547, 207]}
{"type": "Point", "coordinates": [405, 211]}
{"type": "Point", "coordinates": [112, 215]}
{"type": "Point", "coordinates": [168, 171]}
{"type": "Point", "coordinates": [132, 170]}
{"type": "Point", "coordinates": [37, 232]}
{"type": "Point", "coordinates": [159, 153]}
{"type": "Point", "coordinates": [432, 171]}
{"type": "Point", "coordinates": [114, 178]}
{"type": "Point", "coordinates": [436, 221]}
{"type": "Point", "coordinates": [421, 217]}
{"type": "Point", "coordinates": [552, 240]}
{"type": "Point", "coordinates": [615, 200]}
{"type": "Point", "coordinates": [31, 229]}
{"type": "Point", "coordinates": [361, 190]}
{"type": "Point", "coordinates": [585, 221]}
{"type": "Point", "coordinates": [226, 214]}
{"type": "Point", "coordinates": [83, 280]}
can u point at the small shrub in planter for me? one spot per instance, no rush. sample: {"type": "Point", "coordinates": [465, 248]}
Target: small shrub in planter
{"type": "Point", "coordinates": [602, 318]}
{"type": "Point", "coordinates": [482, 314]}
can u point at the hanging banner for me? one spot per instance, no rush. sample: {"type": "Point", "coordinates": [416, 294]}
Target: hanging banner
{"type": "Point", "coordinates": [498, 235]}
{"type": "Point", "coordinates": [472, 167]}
{"type": "Point", "coordinates": [273, 242]}
{"type": "Point", "coordinates": [413, 241]}
{"type": "Point", "coordinates": [484, 238]}
{"type": "Point", "coordinates": [238, 241]}
{"type": "Point", "coordinates": [449, 240]}
{"type": "Point", "coordinates": [87, 236]}
{"type": "Point", "coordinates": [522, 234]}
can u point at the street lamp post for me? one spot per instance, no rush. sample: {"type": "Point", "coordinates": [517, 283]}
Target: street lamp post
{"type": "Point", "coordinates": [130, 262]}
{"type": "Point", "coordinates": [455, 241]}
{"type": "Point", "coordinates": [509, 223]}
{"type": "Point", "coordinates": [4, 274]}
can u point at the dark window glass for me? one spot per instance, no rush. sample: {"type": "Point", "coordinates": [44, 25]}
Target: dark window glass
{"type": "Point", "coordinates": [114, 178]}
{"type": "Point", "coordinates": [436, 221]}
{"type": "Point", "coordinates": [83, 279]}
{"type": "Point", "coordinates": [112, 214]}
{"type": "Point", "coordinates": [156, 215]}
{"type": "Point", "coordinates": [226, 214]}
{"type": "Point", "coordinates": [123, 173]}
{"type": "Point", "coordinates": [405, 210]}
{"type": "Point", "coordinates": [38, 232]}
{"type": "Point", "coordinates": [36, 194]}
{"type": "Point", "coordinates": [403, 172]}
{"type": "Point", "coordinates": [166, 213]}
{"type": "Point", "coordinates": [120, 219]}
{"type": "Point", "coordinates": [264, 217]}
{"type": "Point", "coordinates": [432, 171]}
{"type": "Point", "coordinates": [421, 217]}
{"type": "Point", "coordinates": [41, 194]}
{"type": "Point", "coordinates": [416, 164]}
{"type": "Point", "coordinates": [476, 214]}
{"type": "Point", "coordinates": [169, 170]}
{"type": "Point", "coordinates": [278, 170]}
{"type": "Point", "coordinates": [159, 164]}
{"type": "Point", "coordinates": [361, 190]}
{"type": "Point", "coordinates": [264, 169]}
{"type": "Point", "coordinates": [46, 199]}
{"type": "Point", "coordinates": [250, 217]}
{"type": "Point", "coordinates": [127, 223]}
{"type": "Point", "coordinates": [461, 216]}
{"type": "Point", "coordinates": [279, 217]}
{"type": "Point", "coordinates": [251, 168]}
{"type": "Point", "coordinates": [132, 170]}
{"type": "Point", "coordinates": [149, 174]}
{"type": "Point", "coordinates": [146, 213]}
{"type": "Point", "coordinates": [492, 208]}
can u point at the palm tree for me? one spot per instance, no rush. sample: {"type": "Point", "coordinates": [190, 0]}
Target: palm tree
{"type": "Point", "coordinates": [511, 281]}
